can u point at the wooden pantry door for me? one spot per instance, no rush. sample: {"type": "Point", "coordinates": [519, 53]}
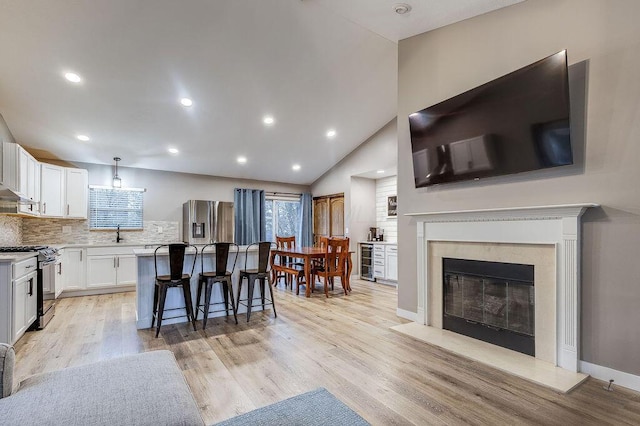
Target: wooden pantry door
{"type": "Point", "coordinates": [328, 216]}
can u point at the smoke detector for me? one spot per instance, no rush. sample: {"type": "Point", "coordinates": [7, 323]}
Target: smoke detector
{"type": "Point", "coordinates": [402, 8]}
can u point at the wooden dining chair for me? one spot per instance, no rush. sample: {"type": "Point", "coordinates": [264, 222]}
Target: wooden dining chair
{"type": "Point", "coordinates": [285, 267]}
{"type": "Point", "coordinates": [335, 261]}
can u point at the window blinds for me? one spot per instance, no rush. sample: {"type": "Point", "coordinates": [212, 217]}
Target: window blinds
{"type": "Point", "coordinates": [110, 207]}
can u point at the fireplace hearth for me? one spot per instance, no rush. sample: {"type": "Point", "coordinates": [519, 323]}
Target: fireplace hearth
{"type": "Point", "coordinates": [490, 301]}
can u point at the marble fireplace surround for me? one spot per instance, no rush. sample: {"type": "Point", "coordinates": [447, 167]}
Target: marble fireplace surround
{"type": "Point", "coordinates": [549, 227]}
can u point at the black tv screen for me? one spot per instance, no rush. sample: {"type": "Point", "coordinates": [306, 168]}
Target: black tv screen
{"type": "Point", "coordinates": [516, 123]}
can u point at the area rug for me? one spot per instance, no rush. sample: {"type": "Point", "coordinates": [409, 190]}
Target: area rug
{"type": "Point", "coordinates": [315, 408]}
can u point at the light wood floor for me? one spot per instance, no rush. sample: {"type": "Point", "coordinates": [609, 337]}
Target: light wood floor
{"type": "Point", "coordinates": [342, 343]}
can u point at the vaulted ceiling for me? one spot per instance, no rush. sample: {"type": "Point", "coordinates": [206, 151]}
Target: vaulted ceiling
{"type": "Point", "coordinates": [311, 65]}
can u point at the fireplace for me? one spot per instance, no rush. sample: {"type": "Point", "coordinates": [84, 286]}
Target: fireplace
{"type": "Point", "coordinates": [507, 235]}
{"type": "Point", "coordinates": [490, 301]}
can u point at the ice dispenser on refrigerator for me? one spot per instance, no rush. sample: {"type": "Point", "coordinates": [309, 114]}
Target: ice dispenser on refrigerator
{"type": "Point", "coordinates": [205, 222]}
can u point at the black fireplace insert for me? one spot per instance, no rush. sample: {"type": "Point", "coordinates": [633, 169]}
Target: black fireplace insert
{"type": "Point", "coordinates": [490, 301]}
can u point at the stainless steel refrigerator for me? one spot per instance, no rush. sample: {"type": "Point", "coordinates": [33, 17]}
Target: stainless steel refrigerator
{"type": "Point", "coordinates": [205, 222]}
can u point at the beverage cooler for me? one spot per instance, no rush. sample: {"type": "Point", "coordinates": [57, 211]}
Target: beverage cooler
{"type": "Point", "coordinates": [366, 262]}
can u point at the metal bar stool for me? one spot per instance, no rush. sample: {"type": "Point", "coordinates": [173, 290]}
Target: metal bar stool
{"type": "Point", "coordinates": [176, 278]}
{"type": "Point", "coordinates": [261, 274]}
{"type": "Point", "coordinates": [218, 275]}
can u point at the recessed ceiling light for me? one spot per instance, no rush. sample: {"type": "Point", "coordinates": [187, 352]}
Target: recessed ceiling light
{"type": "Point", "coordinates": [402, 8]}
{"type": "Point", "coordinates": [83, 138]}
{"type": "Point", "coordinates": [331, 133]}
{"type": "Point", "coordinates": [173, 150]}
{"type": "Point", "coordinates": [295, 167]}
{"type": "Point", "coordinates": [186, 102]}
{"type": "Point", "coordinates": [241, 160]}
{"type": "Point", "coordinates": [268, 120]}
{"type": "Point", "coordinates": [380, 171]}
{"type": "Point", "coordinates": [72, 77]}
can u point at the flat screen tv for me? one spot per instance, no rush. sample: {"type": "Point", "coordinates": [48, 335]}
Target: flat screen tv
{"type": "Point", "coordinates": [516, 123]}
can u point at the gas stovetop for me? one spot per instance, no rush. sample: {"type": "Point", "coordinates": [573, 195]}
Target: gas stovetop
{"type": "Point", "coordinates": [44, 252]}
{"type": "Point", "coordinates": [15, 249]}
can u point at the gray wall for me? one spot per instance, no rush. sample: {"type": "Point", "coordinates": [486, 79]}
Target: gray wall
{"type": "Point", "coordinates": [602, 38]}
{"type": "Point", "coordinates": [378, 152]}
{"type": "Point", "coordinates": [167, 191]}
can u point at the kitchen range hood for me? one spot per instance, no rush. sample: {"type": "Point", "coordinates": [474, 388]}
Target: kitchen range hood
{"type": "Point", "coordinates": [11, 201]}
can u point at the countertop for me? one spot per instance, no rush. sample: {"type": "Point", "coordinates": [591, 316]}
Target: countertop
{"type": "Point", "coordinates": [164, 251]}
{"type": "Point", "coordinates": [378, 242]}
{"type": "Point", "coordinates": [17, 256]}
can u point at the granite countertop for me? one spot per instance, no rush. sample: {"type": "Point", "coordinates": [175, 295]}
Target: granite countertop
{"type": "Point", "coordinates": [114, 244]}
{"type": "Point", "coordinates": [379, 242]}
{"type": "Point", "coordinates": [149, 251]}
{"type": "Point", "coordinates": [17, 256]}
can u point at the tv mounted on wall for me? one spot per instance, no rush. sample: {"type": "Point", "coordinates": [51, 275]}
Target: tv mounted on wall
{"type": "Point", "coordinates": [516, 123]}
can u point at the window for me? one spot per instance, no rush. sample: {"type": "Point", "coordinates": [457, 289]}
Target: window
{"type": "Point", "coordinates": [282, 215]}
{"type": "Point", "coordinates": [110, 207]}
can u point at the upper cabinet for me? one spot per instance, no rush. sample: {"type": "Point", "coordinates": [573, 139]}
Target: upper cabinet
{"type": "Point", "coordinates": [41, 189]}
{"type": "Point", "coordinates": [28, 182]}
{"type": "Point", "coordinates": [76, 193]}
{"type": "Point", "coordinates": [64, 192]}
{"type": "Point", "coordinates": [52, 199]}
{"type": "Point", "coordinates": [9, 175]}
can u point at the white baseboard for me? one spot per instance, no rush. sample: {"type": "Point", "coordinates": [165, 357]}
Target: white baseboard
{"type": "Point", "coordinates": [411, 316]}
{"type": "Point", "coordinates": [620, 378]}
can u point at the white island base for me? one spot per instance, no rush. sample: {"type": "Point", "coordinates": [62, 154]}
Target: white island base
{"type": "Point", "coordinates": [146, 283]}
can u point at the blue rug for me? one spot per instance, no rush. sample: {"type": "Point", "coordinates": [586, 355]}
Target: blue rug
{"type": "Point", "coordinates": [315, 408]}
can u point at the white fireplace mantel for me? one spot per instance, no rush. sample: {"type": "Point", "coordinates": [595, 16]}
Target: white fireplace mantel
{"type": "Point", "coordinates": [558, 225]}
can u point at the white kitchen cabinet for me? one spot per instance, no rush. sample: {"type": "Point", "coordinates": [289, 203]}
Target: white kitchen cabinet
{"type": "Point", "coordinates": [385, 262]}
{"type": "Point", "coordinates": [76, 193]}
{"type": "Point", "coordinates": [28, 182]}
{"type": "Point", "coordinates": [127, 269]}
{"type": "Point", "coordinates": [101, 271]}
{"type": "Point", "coordinates": [378, 261]}
{"type": "Point", "coordinates": [19, 325]}
{"type": "Point", "coordinates": [74, 270]}
{"type": "Point", "coordinates": [111, 267]}
{"type": "Point", "coordinates": [24, 303]}
{"type": "Point", "coordinates": [52, 190]}
{"type": "Point", "coordinates": [391, 262]}
{"type": "Point", "coordinates": [58, 285]}
{"type": "Point", "coordinates": [9, 175]}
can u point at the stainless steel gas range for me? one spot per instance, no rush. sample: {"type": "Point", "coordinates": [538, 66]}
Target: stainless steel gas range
{"type": "Point", "coordinates": [47, 257]}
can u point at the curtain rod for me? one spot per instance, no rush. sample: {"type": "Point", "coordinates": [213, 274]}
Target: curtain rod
{"type": "Point", "coordinates": [282, 193]}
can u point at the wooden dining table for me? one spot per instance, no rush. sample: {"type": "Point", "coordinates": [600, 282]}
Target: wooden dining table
{"type": "Point", "coordinates": [307, 254]}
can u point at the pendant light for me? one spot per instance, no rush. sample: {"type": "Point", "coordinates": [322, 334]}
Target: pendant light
{"type": "Point", "coordinates": [117, 182]}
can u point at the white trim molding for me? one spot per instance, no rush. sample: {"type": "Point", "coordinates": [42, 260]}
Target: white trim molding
{"type": "Point", "coordinates": [558, 225]}
{"type": "Point", "coordinates": [620, 378]}
{"type": "Point", "coordinates": [411, 316]}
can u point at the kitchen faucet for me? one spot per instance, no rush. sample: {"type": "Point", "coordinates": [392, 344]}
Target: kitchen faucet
{"type": "Point", "coordinates": [118, 239]}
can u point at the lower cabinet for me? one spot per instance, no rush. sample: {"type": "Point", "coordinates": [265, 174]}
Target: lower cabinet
{"type": "Point", "coordinates": [74, 271]}
{"type": "Point", "coordinates": [25, 307]}
{"type": "Point", "coordinates": [385, 262]}
{"type": "Point", "coordinates": [111, 267]}
{"type": "Point", "coordinates": [391, 263]}
{"type": "Point", "coordinates": [108, 270]}
{"type": "Point", "coordinates": [101, 271]}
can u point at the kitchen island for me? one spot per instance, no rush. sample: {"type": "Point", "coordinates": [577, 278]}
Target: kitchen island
{"type": "Point", "coordinates": [175, 300]}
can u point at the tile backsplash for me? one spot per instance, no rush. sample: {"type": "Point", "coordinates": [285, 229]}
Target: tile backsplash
{"type": "Point", "coordinates": [385, 188]}
{"type": "Point", "coordinates": [76, 231]}
{"type": "Point", "coordinates": [10, 230]}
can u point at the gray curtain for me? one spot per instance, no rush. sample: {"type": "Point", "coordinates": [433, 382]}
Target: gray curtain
{"type": "Point", "coordinates": [250, 225]}
{"type": "Point", "coordinates": [306, 222]}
